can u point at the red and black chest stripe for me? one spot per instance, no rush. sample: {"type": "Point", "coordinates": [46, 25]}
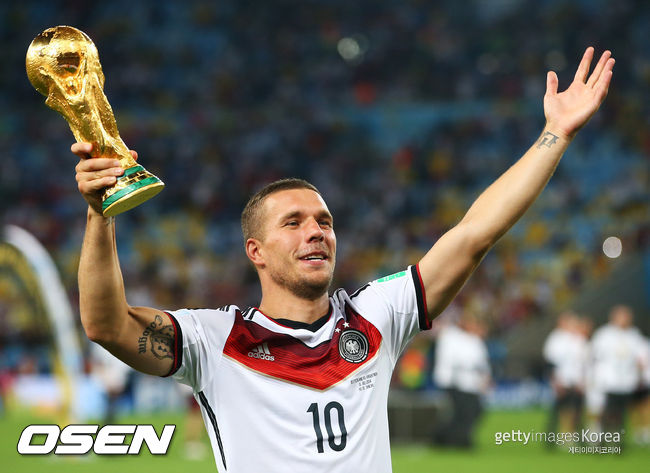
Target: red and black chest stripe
{"type": "Point", "coordinates": [287, 358]}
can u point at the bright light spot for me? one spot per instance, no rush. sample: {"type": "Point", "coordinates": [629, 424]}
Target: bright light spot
{"type": "Point", "coordinates": [352, 48]}
{"type": "Point", "coordinates": [612, 247]}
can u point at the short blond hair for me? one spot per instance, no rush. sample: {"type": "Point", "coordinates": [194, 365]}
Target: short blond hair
{"type": "Point", "coordinates": [251, 216]}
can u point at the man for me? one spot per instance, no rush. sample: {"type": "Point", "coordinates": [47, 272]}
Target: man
{"type": "Point", "coordinates": [113, 376]}
{"type": "Point", "coordinates": [301, 382]}
{"type": "Point", "coordinates": [618, 350]}
{"type": "Point", "coordinates": [462, 369]}
{"type": "Point", "coordinates": [566, 351]}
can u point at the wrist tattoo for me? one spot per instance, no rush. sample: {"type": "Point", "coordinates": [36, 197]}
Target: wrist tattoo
{"type": "Point", "coordinates": [548, 139]}
{"type": "Point", "coordinates": [160, 337]}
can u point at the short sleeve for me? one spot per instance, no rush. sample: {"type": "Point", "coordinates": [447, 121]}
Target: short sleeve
{"type": "Point", "coordinates": [201, 335]}
{"type": "Point", "coordinates": [396, 305]}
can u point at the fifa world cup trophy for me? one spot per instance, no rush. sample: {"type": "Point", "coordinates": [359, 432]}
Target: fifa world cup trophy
{"type": "Point", "coordinates": [63, 64]}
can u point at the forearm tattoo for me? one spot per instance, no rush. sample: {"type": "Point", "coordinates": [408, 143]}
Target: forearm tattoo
{"type": "Point", "coordinates": [548, 139]}
{"type": "Point", "coordinates": [161, 338]}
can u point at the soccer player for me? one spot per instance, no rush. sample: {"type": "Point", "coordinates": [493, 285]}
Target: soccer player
{"type": "Point", "coordinates": [618, 350]}
{"type": "Point", "coordinates": [300, 383]}
{"type": "Point", "coordinates": [566, 351]}
{"type": "Point", "coordinates": [462, 369]}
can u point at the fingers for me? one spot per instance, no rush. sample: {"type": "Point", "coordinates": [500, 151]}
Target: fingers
{"type": "Point", "coordinates": [583, 68]}
{"type": "Point", "coordinates": [94, 174]}
{"type": "Point", "coordinates": [94, 180]}
{"type": "Point", "coordinates": [97, 173]}
{"type": "Point", "coordinates": [551, 83]}
{"type": "Point", "coordinates": [96, 164]}
{"type": "Point", "coordinates": [602, 86]}
{"type": "Point", "coordinates": [595, 75]}
{"type": "Point", "coordinates": [94, 185]}
{"type": "Point", "coordinates": [82, 150]}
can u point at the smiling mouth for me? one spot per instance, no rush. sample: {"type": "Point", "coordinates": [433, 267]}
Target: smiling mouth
{"type": "Point", "coordinates": [314, 258]}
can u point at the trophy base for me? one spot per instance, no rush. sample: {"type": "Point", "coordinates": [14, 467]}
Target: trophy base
{"type": "Point", "coordinates": [134, 187]}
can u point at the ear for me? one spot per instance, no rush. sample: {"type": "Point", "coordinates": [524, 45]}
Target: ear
{"type": "Point", "coordinates": [254, 252]}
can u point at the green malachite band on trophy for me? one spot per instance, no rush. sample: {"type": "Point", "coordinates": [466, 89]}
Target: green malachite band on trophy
{"type": "Point", "coordinates": [127, 190]}
{"type": "Point", "coordinates": [131, 170]}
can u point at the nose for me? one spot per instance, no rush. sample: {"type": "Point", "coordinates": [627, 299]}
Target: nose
{"type": "Point", "coordinates": [314, 230]}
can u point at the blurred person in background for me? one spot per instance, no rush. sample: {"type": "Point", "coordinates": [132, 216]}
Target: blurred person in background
{"type": "Point", "coordinates": [254, 370]}
{"type": "Point", "coordinates": [194, 444]}
{"type": "Point", "coordinates": [462, 369]}
{"type": "Point", "coordinates": [594, 397]}
{"type": "Point", "coordinates": [617, 351]}
{"type": "Point", "coordinates": [113, 376]}
{"type": "Point", "coordinates": [566, 352]}
{"type": "Point", "coordinates": [640, 415]}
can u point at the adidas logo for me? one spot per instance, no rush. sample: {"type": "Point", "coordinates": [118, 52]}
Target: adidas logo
{"type": "Point", "coordinates": [262, 352]}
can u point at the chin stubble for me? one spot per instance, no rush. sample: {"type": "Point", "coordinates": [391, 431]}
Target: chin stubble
{"type": "Point", "coordinates": [301, 287]}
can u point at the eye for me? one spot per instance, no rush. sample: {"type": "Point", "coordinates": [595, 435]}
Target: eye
{"type": "Point", "coordinates": [291, 223]}
{"type": "Point", "coordinates": [325, 223]}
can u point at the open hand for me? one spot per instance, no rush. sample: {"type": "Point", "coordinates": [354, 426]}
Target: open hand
{"type": "Point", "coordinates": [568, 111]}
{"type": "Point", "coordinates": [95, 174]}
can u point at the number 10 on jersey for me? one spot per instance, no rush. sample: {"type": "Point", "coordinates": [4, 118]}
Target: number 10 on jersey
{"type": "Point", "coordinates": [327, 416]}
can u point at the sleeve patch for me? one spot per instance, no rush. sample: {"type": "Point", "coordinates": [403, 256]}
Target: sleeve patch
{"type": "Point", "coordinates": [392, 276]}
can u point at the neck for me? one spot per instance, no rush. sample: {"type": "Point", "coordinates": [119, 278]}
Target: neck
{"type": "Point", "coordinates": [286, 305]}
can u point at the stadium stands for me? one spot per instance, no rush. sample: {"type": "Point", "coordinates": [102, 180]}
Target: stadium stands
{"type": "Point", "coordinates": [400, 131]}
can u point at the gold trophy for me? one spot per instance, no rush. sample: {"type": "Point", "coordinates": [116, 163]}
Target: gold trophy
{"type": "Point", "coordinates": [63, 64]}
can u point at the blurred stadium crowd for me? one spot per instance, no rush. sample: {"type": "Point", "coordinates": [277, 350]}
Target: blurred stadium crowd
{"type": "Point", "coordinates": [599, 378]}
{"type": "Point", "coordinates": [401, 113]}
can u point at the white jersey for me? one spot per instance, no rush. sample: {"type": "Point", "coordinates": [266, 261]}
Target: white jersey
{"type": "Point", "coordinates": [278, 399]}
{"type": "Point", "coordinates": [618, 358]}
{"type": "Point", "coordinates": [462, 361]}
{"type": "Point", "coordinates": [568, 352]}
{"type": "Point", "coordinates": [112, 373]}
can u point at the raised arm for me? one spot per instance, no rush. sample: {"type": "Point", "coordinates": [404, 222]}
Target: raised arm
{"type": "Point", "coordinates": [142, 337]}
{"type": "Point", "coordinates": [453, 258]}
